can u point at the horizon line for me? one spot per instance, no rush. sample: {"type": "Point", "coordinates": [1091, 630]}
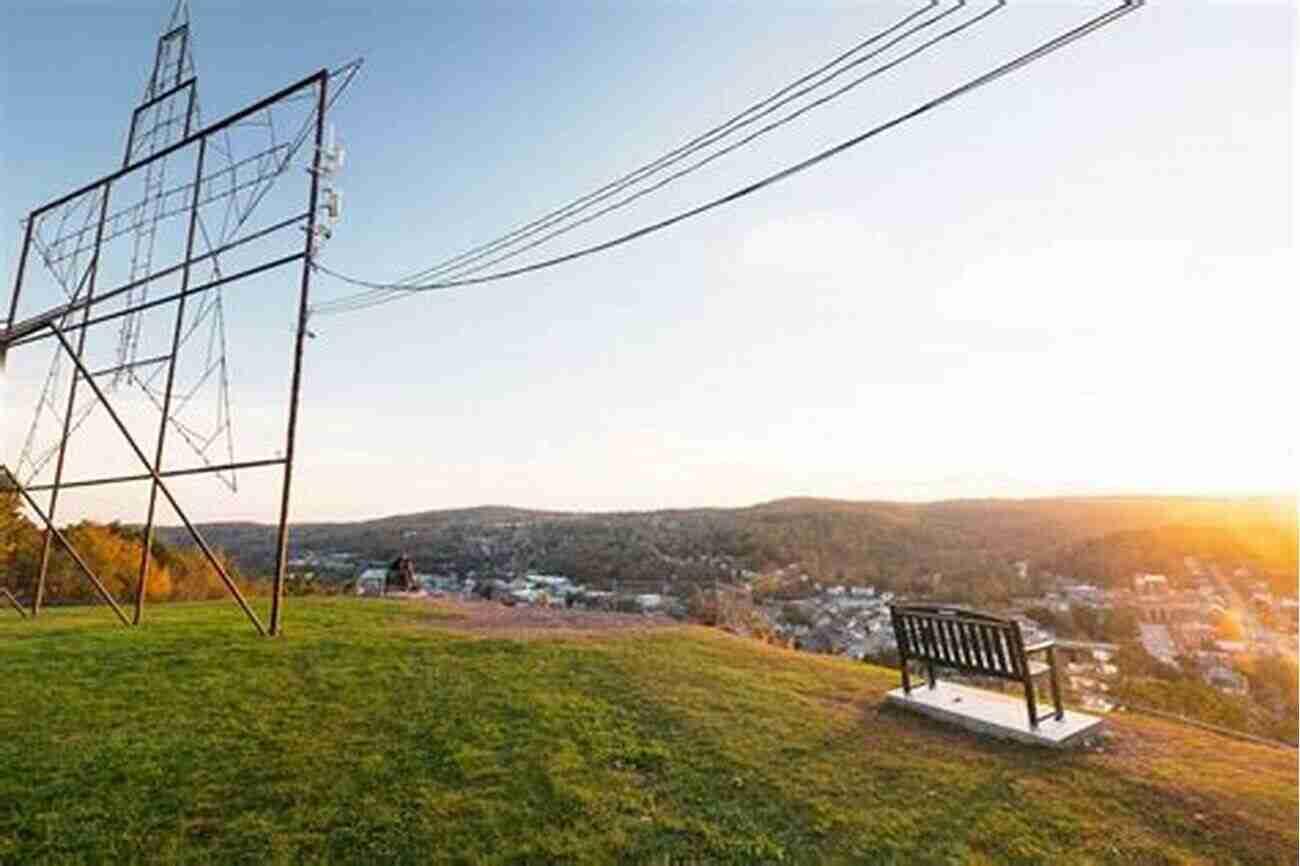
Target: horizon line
{"type": "Point", "coordinates": [1090, 497]}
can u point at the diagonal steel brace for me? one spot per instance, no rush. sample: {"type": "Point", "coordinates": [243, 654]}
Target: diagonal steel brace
{"type": "Point", "coordinates": [9, 596]}
{"type": "Point", "coordinates": [157, 479]}
{"type": "Point", "coordinates": [67, 545]}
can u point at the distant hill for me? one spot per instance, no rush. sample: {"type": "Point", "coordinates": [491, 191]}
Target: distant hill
{"type": "Point", "coordinates": [968, 541]}
{"type": "Point", "coordinates": [1268, 550]}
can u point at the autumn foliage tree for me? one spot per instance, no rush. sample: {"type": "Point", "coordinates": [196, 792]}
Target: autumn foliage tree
{"type": "Point", "coordinates": [193, 577]}
{"type": "Point", "coordinates": [113, 552]}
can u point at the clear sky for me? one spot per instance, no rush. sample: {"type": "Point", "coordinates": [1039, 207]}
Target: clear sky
{"type": "Point", "coordinates": [1079, 280]}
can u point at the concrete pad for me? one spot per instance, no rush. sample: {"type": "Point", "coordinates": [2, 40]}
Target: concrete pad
{"type": "Point", "coordinates": [993, 714]}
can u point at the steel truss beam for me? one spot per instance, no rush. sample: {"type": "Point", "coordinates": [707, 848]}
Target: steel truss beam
{"type": "Point", "coordinates": [260, 161]}
{"type": "Point", "coordinates": [168, 299]}
{"type": "Point", "coordinates": [210, 129]}
{"type": "Point", "coordinates": [158, 482]}
{"type": "Point", "coordinates": [145, 106]}
{"type": "Point", "coordinates": [282, 538]}
{"type": "Point", "coordinates": [92, 270]}
{"type": "Point", "coordinates": [190, 82]}
{"type": "Point", "coordinates": [170, 473]}
{"type": "Point", "coordinates": [70, 322]}
{"type": "Point", "coordinates": [178, 329]}
{"type": "Point", "coordinates": [41, 334]}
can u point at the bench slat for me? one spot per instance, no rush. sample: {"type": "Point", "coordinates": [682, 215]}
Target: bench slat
{"type": "Point", "coordinates": [986, 647]}
{"type": "Point", "coordinates": [954, 647]}
{"type": "Point", "coordinates": [973, 641]}
{"type": "Point", "coordinates": [918, 636]}
{"type": "Point", "coordinates": [908, 627]}
{"type": "Point", "coordinates": [928, 643]}
{"type": "Point", "coordinates": [908, 637]}
{"type": "Point", "coordinates": [931, 639]}
{"type": "Point", "coordinates": [963, 647]}
{"type": "Point", "coordinates": [1017, 649]}
{"type": "Point", "coordinates": [949, 642]}
{"type": "Point", "coordinates": [941, 639]}
{"type": "Point", "coordinates": [995, 641]}
{"type": "Point", "coordinates": [902, 638]}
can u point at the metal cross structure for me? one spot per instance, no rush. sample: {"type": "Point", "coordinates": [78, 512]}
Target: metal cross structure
{"type": "Point", "coordinates": [141, 274]}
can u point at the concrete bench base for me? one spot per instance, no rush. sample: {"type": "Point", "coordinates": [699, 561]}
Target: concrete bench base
{"type": "Point", "coordinates": [995, 715]}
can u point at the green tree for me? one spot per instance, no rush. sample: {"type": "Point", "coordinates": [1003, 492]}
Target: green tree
{"type": "Point", "coordinates": [18, 538]}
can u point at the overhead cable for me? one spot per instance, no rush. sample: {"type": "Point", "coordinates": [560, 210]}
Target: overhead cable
{"type": "Point", "coordinates": [392, 291]}
{"type": "Point", "coordinates": [752, 114]}
{"type": "Point", "coordinates": [830, 97]}
{"type": "Point", "coordinates": [460, 266]}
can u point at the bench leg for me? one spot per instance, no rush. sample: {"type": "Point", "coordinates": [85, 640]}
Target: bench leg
{"type": "Point", "coordinates": [907, 680]}
{"type": "Point", "coordinates": [1056, 684]}
{"type": "Point", "coordinates": [929, 673]}
{"type": "Point", "coordinates": [1031, 702]}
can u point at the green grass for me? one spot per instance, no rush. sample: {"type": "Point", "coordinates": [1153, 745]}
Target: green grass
{"type": "Point", "coordinates": [373, 734]}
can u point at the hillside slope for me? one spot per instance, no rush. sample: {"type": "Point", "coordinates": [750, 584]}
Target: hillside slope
{"type": "Point", "coordinates": [378, 731]}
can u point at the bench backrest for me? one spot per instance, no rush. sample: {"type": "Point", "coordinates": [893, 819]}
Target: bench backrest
{"type": "Point", "coordinates": [968, 641]}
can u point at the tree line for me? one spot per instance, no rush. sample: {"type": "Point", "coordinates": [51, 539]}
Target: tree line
{"type": "Point", "coordinates": [114, 553]}
{"type": "Point", "coordinates": [941, 548]}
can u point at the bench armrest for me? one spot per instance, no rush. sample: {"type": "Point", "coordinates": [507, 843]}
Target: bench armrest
{"type": "Point", "coordinates": [1040, 646]}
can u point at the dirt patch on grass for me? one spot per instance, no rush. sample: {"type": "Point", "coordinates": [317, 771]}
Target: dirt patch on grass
{"type": "Point", "coordinates": [493, 619]}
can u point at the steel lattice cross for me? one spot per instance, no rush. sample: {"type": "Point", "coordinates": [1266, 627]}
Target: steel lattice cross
{"type": "Point", "coordinates": [138, 270]}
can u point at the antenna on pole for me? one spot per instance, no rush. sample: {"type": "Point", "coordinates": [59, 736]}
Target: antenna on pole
{"type": "Point", "coordinates": [330, 162]}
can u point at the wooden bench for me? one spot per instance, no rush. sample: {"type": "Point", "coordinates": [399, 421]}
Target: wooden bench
{"type": "Point", "coordinates": [974, 643]}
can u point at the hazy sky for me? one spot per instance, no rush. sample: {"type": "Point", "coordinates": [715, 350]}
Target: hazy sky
{"type": "Point", "coordinates": [1078, 280]}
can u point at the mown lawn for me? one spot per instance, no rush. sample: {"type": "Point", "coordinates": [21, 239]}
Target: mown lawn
{"type": "Point", "coordinates": [373, 734]}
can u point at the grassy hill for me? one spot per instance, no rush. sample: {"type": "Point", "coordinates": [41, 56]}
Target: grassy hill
{"type": "Point", "coordinates": [383, 732]}
{"type": "Point", "coordinates": [969, 541]}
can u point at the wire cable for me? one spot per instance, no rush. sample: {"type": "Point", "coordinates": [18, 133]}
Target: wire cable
{"type": "Point", "coordinates": [830, 97]}
{"type": "Point", "coordinates": [449, 270]}
{"type": "Point", "coordinates": [393, 291]}
{"type": "Point", "coordinates": [777, 100]}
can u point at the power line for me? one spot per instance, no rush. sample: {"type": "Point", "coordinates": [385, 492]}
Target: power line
{"type": "Point", "coordinates": [739, 121]}
{"type": "Point", "coordinates": [830, 97]}
{"type": "Point", "coordinates": [451, 269]}
{"type": "Point", "coordinates": [460, 266]}
{"type": "Point", "coordinates": [391, 291]}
